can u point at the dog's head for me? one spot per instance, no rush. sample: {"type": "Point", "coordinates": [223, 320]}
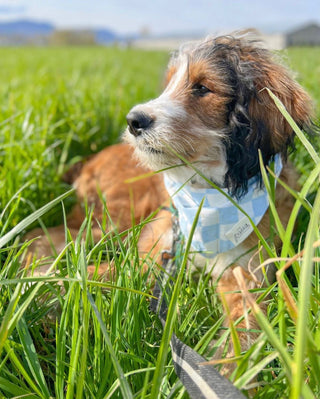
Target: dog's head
{"type": "Point", "coordinates": [215, 113]}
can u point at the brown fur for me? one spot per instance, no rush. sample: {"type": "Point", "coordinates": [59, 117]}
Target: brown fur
{"type": "Point", "coordinates": [107, 173]}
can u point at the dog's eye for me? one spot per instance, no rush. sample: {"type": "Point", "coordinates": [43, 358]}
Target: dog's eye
{"type": "Point", "coordinates": [200, 90]}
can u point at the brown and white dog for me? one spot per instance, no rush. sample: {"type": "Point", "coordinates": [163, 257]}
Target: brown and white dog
{"type": "Point", "coordinates": [215, 114]}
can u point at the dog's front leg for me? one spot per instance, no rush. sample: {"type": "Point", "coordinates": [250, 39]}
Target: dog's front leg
{"type": "Point", "coordinates": [156, 236]}
{"type": "Point", "coordinates": [237, 304]}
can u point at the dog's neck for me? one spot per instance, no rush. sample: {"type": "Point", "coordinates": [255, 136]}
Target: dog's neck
{"type": "Point", "coordinates": [221, 225]}
{"type": "Point", "coordinates": [200, 176]}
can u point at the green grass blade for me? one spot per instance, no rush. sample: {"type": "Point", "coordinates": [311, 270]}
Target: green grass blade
{"type": "Point", "coordinates": [295, 127]}
{"type": "Point", "coordinates": [270, 191]}
{"type": "Point", "coordinates": [16, 195]}
{"type": "Point", "coordinates": [172, 314]}
{"type": "Point", "coordinates": [304, 301]}
{"type": "Point", "coordinates": [116, 384]}
{"type": "Point", "coordinates": [75, 344]}
{"type": "Point", "coordinates": [6, 324]}
{"type": "Point", "coordinates": [21, 369]}
{"type": "Point", "coordinates": [61, 352]}
{"type": "Point", "coordinates": [250, 374]}
{"type": "Point", "coordinates": [32, 218]}
{"type": "Point", "coordinates": [85, 326]}
{"type": "Point", "coordinates": [15, 391]}
{"type": "Point", "coordinates": [124, 386]}
{"type": "Point", "coordinates": [31, 356]}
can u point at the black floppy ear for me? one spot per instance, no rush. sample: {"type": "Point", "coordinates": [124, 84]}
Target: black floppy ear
{"type": "Point", "coordinates": [241, 150]}
{"type": "Point", "coordinates": [254, 120]}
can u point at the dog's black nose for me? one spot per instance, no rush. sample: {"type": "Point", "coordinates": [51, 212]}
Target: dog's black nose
{"type": "Point", "coordinates": [138, 122]}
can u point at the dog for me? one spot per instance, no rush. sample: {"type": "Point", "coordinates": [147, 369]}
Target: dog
{"type": "Point", "coordinates": [210, 129]}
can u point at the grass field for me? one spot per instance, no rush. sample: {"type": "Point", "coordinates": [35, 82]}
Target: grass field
{"type": "Point", "coordinates": [59, 105]}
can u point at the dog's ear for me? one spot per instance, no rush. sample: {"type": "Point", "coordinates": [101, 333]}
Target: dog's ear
{"type": "Point", "coordinates": [263, 112]}
{"type": "Point", "coordinates": [255, 123]}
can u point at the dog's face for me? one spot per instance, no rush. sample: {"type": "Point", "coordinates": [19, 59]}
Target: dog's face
{"type": "Point", "coordinates": [214, 113]}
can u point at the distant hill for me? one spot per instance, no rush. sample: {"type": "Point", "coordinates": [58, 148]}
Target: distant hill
{"type": "Point", "coordinates": [104, 36]}
{"type": "Point", "coordinates": [25, 28]}
{"type": "Point", "coordinates": [28, 29]}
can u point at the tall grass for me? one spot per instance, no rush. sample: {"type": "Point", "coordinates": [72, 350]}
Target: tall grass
{"type": "Point", "coordinates": [59, 105]}
{"type": "Point", "coordinates": [66, 336]}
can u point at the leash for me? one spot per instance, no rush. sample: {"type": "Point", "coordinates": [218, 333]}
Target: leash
{"type": "Point", "coordinates": [201, 380]}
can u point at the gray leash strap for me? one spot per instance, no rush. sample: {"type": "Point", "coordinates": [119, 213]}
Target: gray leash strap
{"type": "Point", "coordinates": [201, 380]}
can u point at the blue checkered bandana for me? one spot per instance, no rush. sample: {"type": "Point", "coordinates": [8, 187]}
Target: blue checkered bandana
{"type": "Point", "coordinates": [221, 225]}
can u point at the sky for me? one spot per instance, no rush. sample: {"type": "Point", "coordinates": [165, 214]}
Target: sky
{"type": "Point", "coordinates": [166, 16]}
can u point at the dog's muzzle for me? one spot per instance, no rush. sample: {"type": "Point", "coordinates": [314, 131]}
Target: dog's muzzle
{"type": "Point", "coordinates": [138, 122]}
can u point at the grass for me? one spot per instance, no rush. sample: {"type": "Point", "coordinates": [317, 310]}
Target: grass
{"type": "Point", "coordinates": [69, 337]}
{"type": "Point", "coordinates": [59, 105]}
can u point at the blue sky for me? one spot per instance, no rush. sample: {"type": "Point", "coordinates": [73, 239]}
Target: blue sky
{"type": "Point", "coordinates": [162, 16]}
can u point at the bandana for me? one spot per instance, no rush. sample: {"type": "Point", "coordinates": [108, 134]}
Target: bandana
{"type": "Point", "coordinates": [221, 225]}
